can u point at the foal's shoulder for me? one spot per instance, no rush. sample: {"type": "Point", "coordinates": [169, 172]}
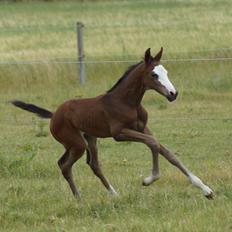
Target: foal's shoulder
{"type": "Point", "coordinates": [141, 109]}
{"type": "Point", "coordinates": [142, 112]}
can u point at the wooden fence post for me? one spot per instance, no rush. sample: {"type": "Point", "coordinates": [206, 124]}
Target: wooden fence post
{"type": "Point", "coordinates": [80, 52]}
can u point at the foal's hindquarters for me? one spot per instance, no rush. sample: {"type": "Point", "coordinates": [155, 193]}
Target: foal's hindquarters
{"type": "Point", "coordinates": [70, 125]}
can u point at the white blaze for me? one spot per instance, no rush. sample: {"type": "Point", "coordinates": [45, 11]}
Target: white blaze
{"type": "Point", "coordinates": [163, 78]}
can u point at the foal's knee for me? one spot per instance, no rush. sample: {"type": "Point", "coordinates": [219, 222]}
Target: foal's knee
{"type": "Point", "coordinates": [154, 145]}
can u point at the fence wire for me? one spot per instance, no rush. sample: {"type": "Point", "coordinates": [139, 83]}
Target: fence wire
{"type": "Point", "coordinates": [203, 50]}
{"type": "Point", "coordinates": [72, 61]}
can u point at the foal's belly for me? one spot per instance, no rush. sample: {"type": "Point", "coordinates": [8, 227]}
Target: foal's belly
{"type": "Point", "coordinates": [94, 125]}
{"type": "Point", "coordinates": [90, 118]}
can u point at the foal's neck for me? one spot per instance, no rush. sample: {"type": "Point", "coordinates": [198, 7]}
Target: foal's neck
{"type": "Point", "coordinates": [131, 90]}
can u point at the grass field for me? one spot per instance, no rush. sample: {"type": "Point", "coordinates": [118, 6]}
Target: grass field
{"type": "Point", "coordinates": [198, 126]}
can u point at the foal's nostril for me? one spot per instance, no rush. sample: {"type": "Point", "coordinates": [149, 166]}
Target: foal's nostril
{"type": "Point", "coordinates": [172, 96]}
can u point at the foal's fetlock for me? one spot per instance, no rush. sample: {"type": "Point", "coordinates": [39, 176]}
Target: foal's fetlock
{"type": "Point", "coordinates": [112, 191]}
{"type": "Point", "coordinates": [150, 179]}
{"type": "Point", "coordinates": [77, 195]}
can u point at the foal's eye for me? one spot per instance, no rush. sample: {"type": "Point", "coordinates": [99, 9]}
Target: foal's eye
{"type": "Point", "coordinates": [154, 75]}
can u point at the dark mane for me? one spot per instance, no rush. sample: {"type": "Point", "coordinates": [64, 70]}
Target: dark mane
{"type": "Point", "coordinates": [130, 68]}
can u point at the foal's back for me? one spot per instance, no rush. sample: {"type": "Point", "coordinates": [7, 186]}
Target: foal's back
{"type": "Point", "coordinates": [81, 115]}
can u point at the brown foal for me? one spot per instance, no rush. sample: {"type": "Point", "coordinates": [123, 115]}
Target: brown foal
{"type": "Point", "coordinates": [119, 114]}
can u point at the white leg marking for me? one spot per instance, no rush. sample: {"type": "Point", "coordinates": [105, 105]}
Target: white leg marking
{"type": "Point", "coordinates": [197, 182]}
{"type": "Point", "coordinates": [112, 191]}
{"type": "Point", "coordinates": [150, 179]}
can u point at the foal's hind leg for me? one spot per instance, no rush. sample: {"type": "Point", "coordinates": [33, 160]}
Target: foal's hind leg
{"type": "Point", "coordinates": [66, 162]}
{"type": "Point", "coordinates": [93, 162]}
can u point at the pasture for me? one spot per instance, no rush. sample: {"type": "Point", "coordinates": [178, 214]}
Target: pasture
{"type": "Point", "coordinates": [197, 126]}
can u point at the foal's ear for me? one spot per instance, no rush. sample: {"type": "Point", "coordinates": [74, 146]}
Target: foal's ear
{"type": "Point", "coordinates": [158, 55]}
{"type": "Point", "coordinates": [147, 56]}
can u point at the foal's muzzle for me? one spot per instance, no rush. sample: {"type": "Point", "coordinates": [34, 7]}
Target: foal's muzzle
{"type": "Point", "coordinates": [172, 96]}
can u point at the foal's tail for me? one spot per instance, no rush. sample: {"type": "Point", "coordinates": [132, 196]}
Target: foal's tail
{"type": "Point", "coordinates": [32, 108]}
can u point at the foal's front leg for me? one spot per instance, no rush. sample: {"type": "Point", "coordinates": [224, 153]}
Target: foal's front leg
{"type": "Point", "coordinates": [155, 175]}
{"type": "Point", "coordinates": [171, 157]}
{"type": "Point", "coordinates": [131, 135]}
{"type": "Point", "coordinates": [194, 179]}
{"type": "Point", "coordinates": [151, 142]}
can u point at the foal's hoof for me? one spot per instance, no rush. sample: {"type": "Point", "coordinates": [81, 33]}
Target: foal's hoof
{"type": "Point", "coordinates": [210, 196]}
{"type": "Point", "coordinates": [208, 192]}
{"type": "Point", "coordinates": [150, 179]}
{"type": "Point", "coordinates": [145, 183]}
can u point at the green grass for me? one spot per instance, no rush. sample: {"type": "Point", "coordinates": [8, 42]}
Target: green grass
{"type": "Point", "coordinates": [198, 126]}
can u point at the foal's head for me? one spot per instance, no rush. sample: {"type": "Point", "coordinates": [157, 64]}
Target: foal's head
{"type": "Point", "coordinates": [156, 76]}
